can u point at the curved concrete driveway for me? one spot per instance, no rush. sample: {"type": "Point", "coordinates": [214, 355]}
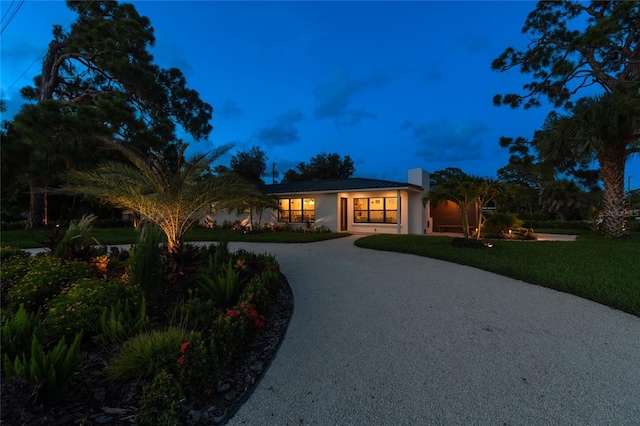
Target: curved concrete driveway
{"type": "Point", "coordinates": [383, 338]}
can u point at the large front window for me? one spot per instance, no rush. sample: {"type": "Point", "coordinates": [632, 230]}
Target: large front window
{"type": "Point", "coordinates": [375, 210]}
{"type": "Point", "coordinates": [297, 210]}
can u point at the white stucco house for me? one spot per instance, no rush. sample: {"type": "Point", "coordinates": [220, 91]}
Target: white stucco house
{"type": "Point", "coordinates": [354, 205]}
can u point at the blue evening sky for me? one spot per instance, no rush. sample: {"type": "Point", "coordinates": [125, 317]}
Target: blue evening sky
{"type": "Point", "coordinates": [394, 85]}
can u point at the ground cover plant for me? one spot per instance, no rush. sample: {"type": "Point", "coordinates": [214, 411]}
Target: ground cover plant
{"type": "Point", "coordinates": [67, 321]}
{"type": "Point", "coordinates": [600, 269]}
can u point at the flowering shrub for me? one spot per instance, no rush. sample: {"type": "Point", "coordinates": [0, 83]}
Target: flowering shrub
{"type": "Point", "coordinates": [195, 365]}
{"type": "Point", "coordinates": [80, 306]}
{"type": "Point", "coordinates": [233, 330]}
{"type": "Point", "coordinates": [44, 278]}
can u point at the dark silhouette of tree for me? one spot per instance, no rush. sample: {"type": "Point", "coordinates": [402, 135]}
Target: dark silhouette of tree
{"type": "Point", "coordinates": [251, 165]}
{"type": "Point", "coordinates": [98, 79]}
{"type": "Point", "coordinates": [563, 60]}
{"type": "Point", "coordinates": [322, 166]}
{"type": "Point", "coordinates": [606, 128]}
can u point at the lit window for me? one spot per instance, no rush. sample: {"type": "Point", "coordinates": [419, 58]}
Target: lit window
{"type": "Point", "coordinates": [297, 210]}
{"type": "Point", "coordinates": [375, 210]}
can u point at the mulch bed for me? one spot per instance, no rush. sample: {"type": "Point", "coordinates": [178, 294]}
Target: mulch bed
{"type": "Point", "coordinates": [90, 400]}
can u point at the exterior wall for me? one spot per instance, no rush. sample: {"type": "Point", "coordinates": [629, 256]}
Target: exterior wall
{"type": "Point", "coordinates": [448, 213]}
{"type": "Point", "coordinates": [420, 221]}
{"type": "Point", "coordinates": [413, 217]}
{"type": "Point", "coordinates": [376, 228]}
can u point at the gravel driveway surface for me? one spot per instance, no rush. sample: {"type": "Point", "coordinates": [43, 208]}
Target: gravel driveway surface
{"type": "Point", "coordinates": [381, 338]}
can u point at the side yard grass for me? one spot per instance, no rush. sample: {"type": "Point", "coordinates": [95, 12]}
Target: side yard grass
{"type": "Point", "coordinates": [596, 268]}
{"type": "Point", "coordinates": [109, 236]}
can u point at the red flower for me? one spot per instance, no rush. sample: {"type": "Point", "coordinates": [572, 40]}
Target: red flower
{"type": "Point", "coordinates": [184, 347]}
{"type": "Point", "coordinates": [181, 360]}
{"type": "Point", "coordinates": [207, 391]}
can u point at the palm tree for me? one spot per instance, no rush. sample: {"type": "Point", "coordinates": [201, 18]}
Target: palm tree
{"type": "Point", "coordinates": [173, 198]}
{"type": "Point", "coordinates": [461, 190]}
{"type": "Point", "coordinates": [605, 128]}
{"type": "Point", "coordinates": [488, 190]}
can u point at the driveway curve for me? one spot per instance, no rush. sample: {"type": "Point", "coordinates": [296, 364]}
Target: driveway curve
{"type": "Point", "coordinates": [381, 338]}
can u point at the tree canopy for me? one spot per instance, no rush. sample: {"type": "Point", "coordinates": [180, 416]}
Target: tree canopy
{"type": "Point", "coordinates": [250, 164]}
{"type": "Point", "coordinates": [322, 166]}
{"type": "Point", "coordinates": [98, 79]}
{"type": "Point", "coordinates": [606, 128]}
{"type": "Point", "coordinates": [562, 59]}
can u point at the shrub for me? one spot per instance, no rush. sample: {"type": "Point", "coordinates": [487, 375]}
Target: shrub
{"type": "Point", "coordinates": [50, 370]}
{"type": "Point", "coordinates": [633, 225]}
{"type": "Point", "coordinates": [12, 270]}
{"type": "Point", "coordinates": [267, 262]}
{"type": "Point", "coordinates": [7, 253]}
{"type": "Point", "coordinates": [557, 224]}
{"type": "Point", "coordinates": [196, 371]}
{"type": "Point", "coordinates": [146, 354]}
{"type": "Point", "coordinates": [76, 243]}
{"type": "Point", "coordinates": [196, 313]}
{"type": "Point", "coordinates": [19, 331]}
{"type": "Point", "coordinates": [120, 322]}
{"type": "Point", "coordinates": [44, 279]}
{"type": "Point", "coordinates": [233, 330]}
{"type": "Point", "coordinates": [81, 305]}
{"type": "Point", "coordinates": [145, 263]}
{"type": "Point", "coordinates": [158, 405]}
{"type": "Point", "coordinates": [258, 292]}
{"type": "Point", "coordinates": [220, 284]}
{"type": "Point", "coordinates": [498, 224]}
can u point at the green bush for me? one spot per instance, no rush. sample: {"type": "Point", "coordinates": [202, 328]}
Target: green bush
{"type": "Point", "coordinates": [196, 313]}
{"type": "Point", "coordinates": [221, 285]}
{"type": "Point", "coordinates": [76, 243]}
{"type": "Point", "coordinates": [196, 367]}
{"type": "Point", "coordinates": [80, 306]}
{"type": "Point", "coordinates": [19, 331]}
{"type": "Point", "coordinates": [121, 322]}
{"type": "Point", "coordinates": [44, 278]}
{"type": "Point", "coordinates": [145, 263]}
{"type": "Point", "coordinates": [158, 405]}
{"type": "Point", "coordinates": [231, 331]}
{"type": "Point", "coordinates": [7, 253]}
{"type": "Point", "coordinates": [498, 224]}
{"type": "Point", "coordinates": [50, 370]}
{"type": "Point", "coordinates": [267, 262]}
{"type": "Point", "coordinates": [13, 226]}
{"type": "Point", "coordinates": [146, 354]}
{"type": "Point", "coordinates": [258, 291]}
{"type": "Point", "coordinates": [12, 270]}
{"type": "Point", "coordinates": [557, 224]}
{"type": "Point", "coordinates": [633, 225]}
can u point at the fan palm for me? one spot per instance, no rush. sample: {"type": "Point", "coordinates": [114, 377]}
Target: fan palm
{"type": "Point", "coordinates": [605, 128]}
{"type": "Point", "coordinates": [173, 198]}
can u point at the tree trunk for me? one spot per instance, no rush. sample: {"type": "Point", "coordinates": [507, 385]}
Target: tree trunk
{"type": "Point", "coordinates": [612, 171]}
{"type": "Point", "coordinates": [37, 217]}
{"type": "Point", "coordinates": [464, 211]}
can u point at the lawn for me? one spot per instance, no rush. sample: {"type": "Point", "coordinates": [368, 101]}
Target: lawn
{"type": "Point", "coordinates": [109, 236]}
{"type": "Point", "coordinates": [596, 268]}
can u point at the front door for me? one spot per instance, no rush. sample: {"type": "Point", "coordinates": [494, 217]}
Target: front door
{"type": "Point", "coordinates": [343, 214]}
